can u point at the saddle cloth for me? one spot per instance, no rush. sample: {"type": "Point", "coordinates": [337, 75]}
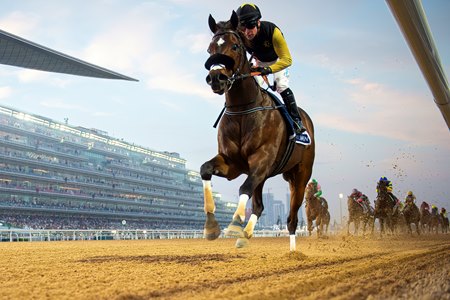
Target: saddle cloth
{"type": "Point", "coordinates": [302, 138]}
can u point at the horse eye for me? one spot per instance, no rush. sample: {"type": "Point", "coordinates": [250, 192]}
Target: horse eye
{"type": "Point", "coordinates": [235, 47]}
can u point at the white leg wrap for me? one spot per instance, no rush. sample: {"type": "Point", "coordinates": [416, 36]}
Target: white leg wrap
{"type": "Point", "coordinates": [253, 219]}
{"type": "Point", "coordinates": [209, 205]}
{"type": "Point", "coordinates": [292, 242]}
{"type": "Point", "coordinates": [240, 211]}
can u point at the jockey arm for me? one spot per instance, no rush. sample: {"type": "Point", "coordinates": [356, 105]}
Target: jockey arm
{"type": "Point", "coordinates": [319, 191]}
{"type": "Point", "coordinates": [281, 49]}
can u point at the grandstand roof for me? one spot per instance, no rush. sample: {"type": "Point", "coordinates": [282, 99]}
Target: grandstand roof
{"type": "Point", "coordinates": [16, 51]}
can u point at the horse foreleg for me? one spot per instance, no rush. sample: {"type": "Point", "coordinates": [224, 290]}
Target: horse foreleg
{"type": "Point", "coordinates": [257, 209]}
{"type": "Point", "coordinates": [235, 227]}
{"type": "Point", "coordinates": [218, 167]}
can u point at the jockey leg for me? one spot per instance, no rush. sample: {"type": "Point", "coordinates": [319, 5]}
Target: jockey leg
{"type": "Point", "coordinates": [291, 105]}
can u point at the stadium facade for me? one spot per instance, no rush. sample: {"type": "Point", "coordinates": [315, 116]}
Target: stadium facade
{"type": "Point", "coordinates": [57, 176]}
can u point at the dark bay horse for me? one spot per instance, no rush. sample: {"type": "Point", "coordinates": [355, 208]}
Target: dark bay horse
{"type": "Point", "coordinates": [435, 221]}
{"type": "Point", "coordinates": [412, 215]}
{"type": "Point", "coordinates": [356, 215]}
{"type": "Point", "coordinates": [425, 216]}
{"type": "Point", "coordinates": [252, 138]}
{"type": "Point", "coordinates": [384, 208]}
{"type": "Point", "coordinates": [444, 221]}
{"type": "Point", "coordinates": [316, 210]}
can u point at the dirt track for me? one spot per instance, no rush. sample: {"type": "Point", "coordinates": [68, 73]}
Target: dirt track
{"type": "Point", "coordinates": [340, 267]}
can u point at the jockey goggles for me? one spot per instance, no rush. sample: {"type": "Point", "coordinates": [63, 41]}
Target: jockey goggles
{"type": "Point", "coordinates": [249, 25]}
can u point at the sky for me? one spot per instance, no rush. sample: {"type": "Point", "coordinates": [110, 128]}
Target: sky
{"type": "Point", "coordinates": [352, 71]}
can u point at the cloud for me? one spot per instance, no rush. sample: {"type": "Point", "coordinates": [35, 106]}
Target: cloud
{"type": "Point", "coordinates": [103, 114]}
{"type": "Point", "coordinates": [378, 110]}
{"type": "Point", "coordinates": [59, 104]}
{"type": "Point", "coordinates": [19, 23]}
{"type": "Point", "coordinates": [5, 92]}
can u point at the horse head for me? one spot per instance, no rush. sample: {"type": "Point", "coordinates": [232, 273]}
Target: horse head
{"type": "Point", "coordinates": [227, 54]}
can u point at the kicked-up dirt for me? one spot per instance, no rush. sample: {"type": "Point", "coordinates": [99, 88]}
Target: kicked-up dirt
{"type": "Point", "coordinates": [340, 267]}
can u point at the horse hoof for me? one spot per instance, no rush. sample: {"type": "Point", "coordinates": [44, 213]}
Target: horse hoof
{"type": "Point", "coordinates": [211, 234]}
{"type": "Point", "coordinates": [211, 229]}
{"type": "Point", "coordinates": [241, 243]}
{"type": "Point", "coordinates": [234, 229]}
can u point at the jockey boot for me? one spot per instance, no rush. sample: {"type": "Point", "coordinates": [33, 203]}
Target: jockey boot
{"type": "Point", "coordinates": [291, 105]}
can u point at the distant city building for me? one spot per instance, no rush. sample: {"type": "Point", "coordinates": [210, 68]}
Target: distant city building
{"type": "Point", "coordinates": [56, 176]}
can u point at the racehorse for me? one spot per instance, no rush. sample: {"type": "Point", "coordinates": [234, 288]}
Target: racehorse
{"type": "Point", "coordinates": [434, 223]}
{"type": "Point", "coordinates": [356, 215]}
{"type": "Point", "coordinates": [412, 215]}
{"type": "Point", "coordinates": [251, 138]}
{"type": "Point", "coordinates": [444, 222]}
{"type": "Point", "coordinates": [384, 207]}
{"type": "Point", "coordinates": [316, 210]}
{"type": "Point", "coordinates": [425, 217]}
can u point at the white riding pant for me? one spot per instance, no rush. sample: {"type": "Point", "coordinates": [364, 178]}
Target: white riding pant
{"type": "Point", "coordinates": [281, 78]}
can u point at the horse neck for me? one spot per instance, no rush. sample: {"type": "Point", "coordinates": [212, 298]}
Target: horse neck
{"type": "Point", "coordinates": [243, 92]}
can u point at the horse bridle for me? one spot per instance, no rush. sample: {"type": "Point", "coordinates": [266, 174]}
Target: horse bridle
{"type": "Point", "coordinates": [236, 74]}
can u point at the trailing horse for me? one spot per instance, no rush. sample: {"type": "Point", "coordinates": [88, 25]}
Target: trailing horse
{"type": "Point", "coordinates": [444, 222]}
{"type": "Point", "coordinates": [316, 210]}
{"type": "Point", "coordinates": [252, 138]}
{"type": "Point", "coordinates": [425, 217]}
{"type": "Point", "coordinates": [434, 223]}
{"type": "Point", "coordinates": [412, 215]}
{"type": "Point", "coordinates": [384, 208]}
{"type": "Point", "coordinates": [356, 215]}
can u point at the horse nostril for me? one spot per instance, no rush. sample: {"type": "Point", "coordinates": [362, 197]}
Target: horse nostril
{"type": "Point", "coordinates": [223, 77]}
{"type": "Point", "coordinates": [208, 79]}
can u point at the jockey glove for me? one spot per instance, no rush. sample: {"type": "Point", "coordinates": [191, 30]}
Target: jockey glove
{"type": "Point", "coordinates": [262, 70]}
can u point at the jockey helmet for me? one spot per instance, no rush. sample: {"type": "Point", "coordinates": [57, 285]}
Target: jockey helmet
{"type": "Point", "coordinates": [410, 193]}
{"type": "Point", "coordinates": [355, 191]}
{"type": "Point", "coordinates": [248, 14]}
{"type": "Point", "coordinates": [314, 181]}
{"type": "Point", "coordinates": [384, 178]}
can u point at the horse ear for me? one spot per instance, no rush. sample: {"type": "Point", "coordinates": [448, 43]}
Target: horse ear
{"type": "Point", "coordinates": [212, 24]}
{"type": "Point", "coordinates": [234, 20]}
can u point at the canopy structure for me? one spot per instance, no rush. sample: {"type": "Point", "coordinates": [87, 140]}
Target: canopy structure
{"type": "Point", "coordinates": [413, 22]}
{"type": "Point", "coordinates": [19, 52]}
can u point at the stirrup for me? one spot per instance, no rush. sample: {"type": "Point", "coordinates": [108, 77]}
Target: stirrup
{"type": "Point", "coordinates": [298, 126]}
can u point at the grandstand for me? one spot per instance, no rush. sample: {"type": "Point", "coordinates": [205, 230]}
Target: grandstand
{"type": "Point", "coordinates": [57, 176]}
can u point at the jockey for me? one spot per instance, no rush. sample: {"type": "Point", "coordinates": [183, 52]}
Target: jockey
{"type": "Point", "coordinates": [270, 50]}
{"type": "Point", "coordinates": [389, 190]}
{"type": "Point", "coordinates": [410, 199]}
{"type": "Point", "coordinates": [365, 203]}
{"type": "Point", "coordinates": [361, 199]}
{"type": "Point", "coordinates": [315, 187]}
{"type": "Point", "coordinates": [425, 206]}
{"type": "Point", "coordinates": [434, 210]}
{"type": "Point", "coordinates": [443, 213]}
{"type": "Point", "coordinates": [355, 194]}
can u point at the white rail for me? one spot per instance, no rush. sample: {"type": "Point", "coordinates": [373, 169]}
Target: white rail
{"type": "Point", "coordinates": [33, 235]}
